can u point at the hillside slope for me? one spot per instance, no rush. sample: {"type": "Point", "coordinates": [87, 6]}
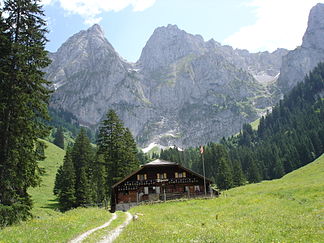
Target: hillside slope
{"type": "Point", "coordinates": [42, 196]}
{"type": "Point", "coordinates": [50, 225]}
{"type": "Point", "coordinates": [289, 209]}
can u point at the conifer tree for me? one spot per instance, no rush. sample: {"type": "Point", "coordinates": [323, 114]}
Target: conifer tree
{"type": "Point", "coordinates": [117, 146]}
{"type": "Point", "coordinates": [99, 192]}
{"type": "Point", "coordinates": [66, 183]}
{"type": "Point", "coordinates": [238, 175]}
{"type": "Point", "coordinates": [58, 181]}
{"type": "Point", "coordinates": [224, 176]}
{"type": "Point", "coordinates": [23, 101]}
{"type": "Point", "coordinates": [59, 138]}
{"type": "Point", "coordinates": [82, 157]}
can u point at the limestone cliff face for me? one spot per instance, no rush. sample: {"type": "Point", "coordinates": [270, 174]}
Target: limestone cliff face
{"type": "Point", "coordinates": [299, 62]}
{"type": "Point", "coordinates": [182, 91]}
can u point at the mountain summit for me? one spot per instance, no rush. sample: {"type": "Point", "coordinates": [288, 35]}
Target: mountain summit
{"type": "Point", "coordinates": [168, 44]}
{"type": "Point", "coordinates": [303, 59]}
{"type": "Point", "coordinates": [182, 91]}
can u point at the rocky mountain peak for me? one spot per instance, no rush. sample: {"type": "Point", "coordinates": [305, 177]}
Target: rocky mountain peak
{"type": "Point", "coordinates": [95, 30]}
{"type": "Point", "coordinates": [168, 44]}
{"type": "Point", "coordinates": [297, 63]}
{"type": "Point", "coordinates": [314, 35]}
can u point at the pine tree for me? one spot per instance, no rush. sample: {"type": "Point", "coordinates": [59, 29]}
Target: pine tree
{"type": "Point", "coordinates": [23, 100]}
{"type": "Point", "coordinates": [59, 138]}
{"type": "Point", "coordinates": [253, 174]}
{"type": "Point", "coordinates": [224, 176]}
{"type": "Point", "coordinates": [238, 175]}
{"type": "Point", "coordinates": [58, 181]}
{"type": "Point", "coordinates": [99, 180]}
{"type": "Point", "coordinates": [117, 146]}
{"type": "Point", "coordinates": [82, 157]}
{"type": "Point", "coordinates": [66, 184]}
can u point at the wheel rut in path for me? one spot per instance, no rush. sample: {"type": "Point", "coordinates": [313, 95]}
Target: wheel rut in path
{"type": "Point", "coordinates": [81, 237]}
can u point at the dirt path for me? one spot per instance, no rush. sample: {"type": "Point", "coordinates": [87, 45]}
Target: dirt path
{"type": "Point", "coordinates": [116, 232]}
{"type": "Point", "coordinates": [80, 238]}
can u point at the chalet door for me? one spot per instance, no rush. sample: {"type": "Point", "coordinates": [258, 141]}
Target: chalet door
{"type": "Point", "coordinates": [146, 190]}
{"type": "Point", "coordinates": [157, 190]}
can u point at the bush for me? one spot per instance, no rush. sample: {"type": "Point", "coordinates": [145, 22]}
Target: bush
{"type": "Point", "coordinates": [13, 214]}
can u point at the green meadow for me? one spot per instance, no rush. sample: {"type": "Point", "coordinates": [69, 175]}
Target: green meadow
{"type": "Point", "coordinates": [290, 209]}
{"type": "Point", "coordinates": [48, 224]}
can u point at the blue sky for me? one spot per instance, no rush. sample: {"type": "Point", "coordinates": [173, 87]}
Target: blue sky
{"type": "Point", "coordinates": [256, 25]}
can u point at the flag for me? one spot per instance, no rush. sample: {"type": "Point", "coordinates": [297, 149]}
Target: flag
{"type": "Point", "coordinates": [201, 149]}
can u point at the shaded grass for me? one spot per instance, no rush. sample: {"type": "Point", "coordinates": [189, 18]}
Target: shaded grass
{"type": "Point", "coordinates": [97, 235]}
{"type": "Point", "coordinates": [59, 228]}
{"type": "Point", "coordinates": [290, 209]}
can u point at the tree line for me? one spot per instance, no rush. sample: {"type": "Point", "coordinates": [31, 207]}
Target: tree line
{"type": "Point", "coordinates": [289, 137]}
{"type": "Point", "coordinates": [88, 172]}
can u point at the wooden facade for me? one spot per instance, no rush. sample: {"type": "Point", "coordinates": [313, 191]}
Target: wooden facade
{"type": "Point", "coordinates": [157, 180]}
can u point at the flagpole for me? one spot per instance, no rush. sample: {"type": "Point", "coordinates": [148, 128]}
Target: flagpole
{"type": "Point", "coordinates": [203, 162]}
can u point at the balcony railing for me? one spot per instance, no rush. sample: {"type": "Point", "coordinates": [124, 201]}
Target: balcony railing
{"type": "Point", "coordinates": [133, 185]}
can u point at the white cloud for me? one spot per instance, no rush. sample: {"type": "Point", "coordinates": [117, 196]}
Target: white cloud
{"type": "Point", "coordinates": [90, 9]}
{"type": "Point", "coordinates": [278, 24]}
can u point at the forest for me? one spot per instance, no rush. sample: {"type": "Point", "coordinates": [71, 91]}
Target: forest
{"type": "Point", "coordinates": [289, 137]}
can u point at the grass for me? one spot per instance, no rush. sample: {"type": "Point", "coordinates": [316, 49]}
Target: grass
{"type": "Point", "coordinates": [290, 209]}
{"type": "Point", "coordinates": [59, 228]}
{"type": "Point", "coordinates": [43, 198]}
{"type": "Point", "coordinates": [48, 224]}
{"type": "Point", "coordinates": [255, 124]}
{"type": "Point", "coordinates": [97, 235]}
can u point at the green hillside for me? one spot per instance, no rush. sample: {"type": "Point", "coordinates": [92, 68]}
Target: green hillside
{"type": "Point", "coordinates": [48, 224]}
{"type": "Point", "coordinates": [43, 198]}
{"type": "Point", "coordinates": [289, 209]}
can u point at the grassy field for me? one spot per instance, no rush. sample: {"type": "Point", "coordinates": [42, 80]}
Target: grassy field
{"type": "Point", "coordinates": [96, 236]}
{"type": "Point", "coordinates": [290, 209]}
{"type": "Point", "coordinates": [43, 198]}
{"type": "Point", "coordinates": [255, 124]}
{"type": "Point", "coordinates": [48, 224]}
{"type": "Point", "coordinates": [58, 228]}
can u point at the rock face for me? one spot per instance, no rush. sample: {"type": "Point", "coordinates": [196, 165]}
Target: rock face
{"type": "Point", "coordinates": [182, 91]}
{"type": "Point", "coordinates": [303, 59]}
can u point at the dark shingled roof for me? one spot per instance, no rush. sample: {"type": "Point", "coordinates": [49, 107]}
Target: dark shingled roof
{"type": "Point", "coordinates": [160, 162]}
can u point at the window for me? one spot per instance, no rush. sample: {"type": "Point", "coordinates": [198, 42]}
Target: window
{"type": "Point", "coordinates": [180, 174]}
{"type": "Point", "coordinates": [197, 188]}
{"type": "Point", "coordinates": [141, 177]}
{"type": "Point", "coordinates": [161, 175]}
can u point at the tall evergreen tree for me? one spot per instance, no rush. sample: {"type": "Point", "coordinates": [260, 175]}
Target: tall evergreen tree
{"type": "Point", "coordinates": [23, 100]}
{"type": "Point", "coordinates": [117, 146]}
{"type": "Point", "coordinates": [238, 175]}
{"type": "Point", "coordinates": [66, 180]}
{"type": "Point", "coordinates": [59, 138]}
{"type": "Point", "coordinates": [82, 157]}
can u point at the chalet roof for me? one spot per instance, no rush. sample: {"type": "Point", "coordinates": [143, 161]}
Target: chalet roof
{"type": "Point", "coordinates": [159, 162]}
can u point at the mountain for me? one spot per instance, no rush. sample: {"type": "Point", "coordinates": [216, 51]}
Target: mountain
{"type": "Point", "coordinates": [299, 62]}
{"type": "Point", "coordinates": [182, 91]}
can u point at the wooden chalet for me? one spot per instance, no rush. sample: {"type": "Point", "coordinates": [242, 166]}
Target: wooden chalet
{"type": "Point", "coordinates": [158, 180]}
